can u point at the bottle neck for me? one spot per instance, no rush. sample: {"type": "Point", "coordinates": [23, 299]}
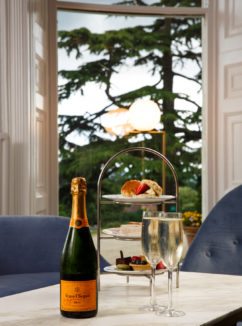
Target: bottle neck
{"type": "Point", "coordinates": [79, 206]}
{"type": "Point", "coordinates": [79, 215]}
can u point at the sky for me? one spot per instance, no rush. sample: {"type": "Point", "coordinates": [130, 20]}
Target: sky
{"type": "Point", "coordinates": [127, 76]}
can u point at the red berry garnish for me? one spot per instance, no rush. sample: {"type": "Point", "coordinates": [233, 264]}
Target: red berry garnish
{"type": "Point", "coordinates": [136, 258]}
{"type": "Point", "coordinates": [142, 188]}
{"type": "Point", "coordinates": [160, 265]}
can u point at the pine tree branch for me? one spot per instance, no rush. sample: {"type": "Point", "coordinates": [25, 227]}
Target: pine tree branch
{"type": "Point", "coordinates": [189, 100]}
{"type": "Point", "coordinates": [186, 77]}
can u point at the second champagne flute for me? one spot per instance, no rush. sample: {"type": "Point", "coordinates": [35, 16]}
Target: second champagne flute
{"type": "Point", "coordinates": [171, 247]}
{"type": "Point", "coordinates": [150, 247]}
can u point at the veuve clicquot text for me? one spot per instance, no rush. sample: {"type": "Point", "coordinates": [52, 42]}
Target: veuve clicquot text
{"type": "Point", "coordinates": [78, 270]}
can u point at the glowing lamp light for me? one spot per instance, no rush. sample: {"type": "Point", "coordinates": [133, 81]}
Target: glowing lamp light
{"type": "Point", "coordinates": [144, 115]}
{"type": "Point", "coordinates": [116, 122]}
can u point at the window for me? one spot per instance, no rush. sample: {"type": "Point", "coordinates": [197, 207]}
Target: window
{"type": "Point", "coordinates": [114, 60]}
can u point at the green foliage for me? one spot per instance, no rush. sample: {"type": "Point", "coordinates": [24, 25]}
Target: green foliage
{"type": "Point", "coordinates": [160, 46]}
{"type": "Point", "coordinates": [64, 210]}
{"type": "Point", "coordinates": [187, 199]}
{"type": "Point", "coordinates": [119, 215]}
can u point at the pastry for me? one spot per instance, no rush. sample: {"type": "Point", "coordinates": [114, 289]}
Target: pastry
{"type": "Point", "coordinates": [132, 228]}
{"type": "Point", "coordinates": [148, 188]}
{"type": "Point", "coordinates": [122, 267]}
{"type": "Point", "coordinates": [144, 188]}
{"type": "Point", "coordinates": [123, 260]}
{"type": "Point", "coordinates": [129, 188]}
{"type": "Point", "coordinates": [139, 263]}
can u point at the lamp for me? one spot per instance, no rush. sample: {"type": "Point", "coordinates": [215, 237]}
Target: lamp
{"type": "Point", "coordinates": [144, 115]}
{"type": "Point", "coordinates": [115, 122]}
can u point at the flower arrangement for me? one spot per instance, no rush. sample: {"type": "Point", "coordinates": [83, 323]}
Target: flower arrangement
{"type": "Point", "coordinates": [192, 219]}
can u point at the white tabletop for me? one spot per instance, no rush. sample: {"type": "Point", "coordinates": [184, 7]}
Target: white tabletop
{"type": "Point", "coordinates": [203, 297]}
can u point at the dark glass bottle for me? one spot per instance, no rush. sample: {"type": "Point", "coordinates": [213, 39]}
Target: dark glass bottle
{"type": "Point", "coordinates": [78, 270]}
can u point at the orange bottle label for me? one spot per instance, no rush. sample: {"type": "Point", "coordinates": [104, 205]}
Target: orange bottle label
{"type": "Point", "coordinates": [79, 222]}
{"type": "Point", "coordinates": [78, 295]}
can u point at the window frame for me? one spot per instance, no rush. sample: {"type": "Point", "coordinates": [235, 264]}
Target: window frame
{"type": "Point", "coordinates": [132, 10]}
{"type": "Point", "coordinates": [208, 121]}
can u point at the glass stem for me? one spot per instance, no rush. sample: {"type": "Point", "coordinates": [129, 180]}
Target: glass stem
{"type": "Point", "coordinates": [169, 289]}
{"type": "Point", "coordinates": [152, 299]}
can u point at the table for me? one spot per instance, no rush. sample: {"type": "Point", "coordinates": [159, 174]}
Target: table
{"type": "Point", "coordinates": [203, 297]}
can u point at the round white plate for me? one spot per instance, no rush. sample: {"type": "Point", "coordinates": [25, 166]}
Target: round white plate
{"type": "Point", "coordinates": [115, 232]}
{"type": "Point", "coordinates": [138, 200]}
{"type": "Point", "coordinates": [112, 269]}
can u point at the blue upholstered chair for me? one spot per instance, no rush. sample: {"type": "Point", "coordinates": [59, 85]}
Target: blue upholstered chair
{"type": "Point", "coordinates": [217, 247]}
{"type": "Point", "coordinates": [30, 250]}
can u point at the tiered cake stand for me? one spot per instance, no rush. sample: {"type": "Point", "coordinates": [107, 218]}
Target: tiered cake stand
{"type": "Point", "coordinates": [118, 199]}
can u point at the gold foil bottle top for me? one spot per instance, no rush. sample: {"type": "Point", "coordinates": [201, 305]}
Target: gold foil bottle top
{"type": "Point", "coordinates": [78, 185]}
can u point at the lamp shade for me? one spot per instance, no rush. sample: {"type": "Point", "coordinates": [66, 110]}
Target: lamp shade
{"type": "Point", "coordinates": [116, 122]}
{"type": "Point", "coordinates": [144, 115]}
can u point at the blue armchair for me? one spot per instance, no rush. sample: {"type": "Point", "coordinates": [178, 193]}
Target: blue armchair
{"type": "Point", "coordinates": [217, 247]}
{"type": "Point", "coordinates": [30, 250]}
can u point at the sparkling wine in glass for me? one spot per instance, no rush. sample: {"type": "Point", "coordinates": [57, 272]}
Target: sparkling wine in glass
{"type": "Point", "coordinates": [170, 247]}
{"type": "Point", "coordinates": [151, 250]}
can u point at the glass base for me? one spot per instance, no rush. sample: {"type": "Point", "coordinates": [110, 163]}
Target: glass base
{"type": "Point", "coordinates": [170, 313]}
{"type": "Point", "coordinates": [151, 308]}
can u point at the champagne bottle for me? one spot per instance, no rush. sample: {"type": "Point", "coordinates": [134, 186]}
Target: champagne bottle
{"type": "Point", "coordinates": [78, 270]}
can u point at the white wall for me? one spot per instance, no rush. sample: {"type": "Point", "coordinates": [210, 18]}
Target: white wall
{"type": "Point", "coordinates": [222, 148]}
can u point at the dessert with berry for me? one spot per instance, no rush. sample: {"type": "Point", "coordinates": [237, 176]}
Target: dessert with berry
{"type": "Point", "coordinates": [143, 188]}
{"type": "Point", "coordinates": [139, 263]}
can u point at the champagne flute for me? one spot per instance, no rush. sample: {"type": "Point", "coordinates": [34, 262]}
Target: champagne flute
{"type": "Point", "coordinates": [171, 247]}
{"type": "Point", "coordinates": [150, 247]}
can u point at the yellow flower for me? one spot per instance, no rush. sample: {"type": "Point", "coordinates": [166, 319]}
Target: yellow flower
{"type": "Point", "coordinates": [192, 218]}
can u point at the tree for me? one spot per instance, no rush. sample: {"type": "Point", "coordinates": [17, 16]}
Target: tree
{"type": "Point", "coordinates": [160, 47]}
